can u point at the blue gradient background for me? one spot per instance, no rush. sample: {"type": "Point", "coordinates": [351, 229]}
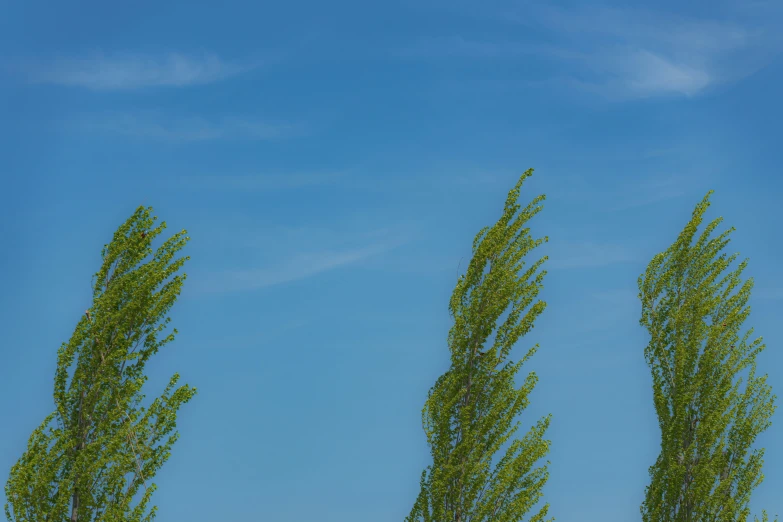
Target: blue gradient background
{"type": "Point", "coordinates": [332, 164]}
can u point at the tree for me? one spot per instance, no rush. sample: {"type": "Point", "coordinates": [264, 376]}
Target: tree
{"type": "Point", "coordinates": [705, 471]}
{"type": "Point", "coordinates": [471, 410]}
{"type": "Point", "coordinates": [104, 446]}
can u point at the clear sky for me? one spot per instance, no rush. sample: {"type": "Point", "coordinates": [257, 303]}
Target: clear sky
{"type": "Point", "coordinates": [332, 162]}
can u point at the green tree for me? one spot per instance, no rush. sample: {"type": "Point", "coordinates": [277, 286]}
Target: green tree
{"type": "Point", "coordinates": [88, 460]}
{"type": "Point", "coordinates": [705, 471]}
{"type": "Point", "coordinates": [471, 410]}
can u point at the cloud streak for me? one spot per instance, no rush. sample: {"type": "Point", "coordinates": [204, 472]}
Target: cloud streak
{"type": "Point", "coordinates": [297, 267]}
{"type": "Point", "coordinates": [640, 53]}
{"type": "Point", "coordinates": [102, 72]}
{"type": "Point", "coordinates": [624, 53]}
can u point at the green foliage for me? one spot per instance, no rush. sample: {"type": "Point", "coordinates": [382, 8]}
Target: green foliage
{"type": "Point", "coordinates": [705, 471]}
{"type": "Point", "coordinates": [471, 410]}
{"type": "Point", "coordinates": [104, 446]}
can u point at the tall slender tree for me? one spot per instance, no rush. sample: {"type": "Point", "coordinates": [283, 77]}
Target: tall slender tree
{"type": "Point", "coordinates": [705, 471]}
{"type": "Point", "coordinates": [100, 448]}
{"type": "Point", "coordinates": [471, 411]}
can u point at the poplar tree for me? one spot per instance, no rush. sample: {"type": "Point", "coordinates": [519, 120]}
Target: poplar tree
{"type": "Point", "coordinates": [471, 411]}
{"type": "Point", "coordinates": [99, 449]}
{"type": "Point", "coordinates": [705, 471]}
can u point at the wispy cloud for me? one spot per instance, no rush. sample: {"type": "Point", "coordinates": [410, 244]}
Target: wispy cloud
{"type": "Point", "coordinates": [636, 52]}
{"type": "Point", "coordinates": [103, 72]}
{"type": "Point", "coordinates": [297, 267]}
{"type": "Point", "coordinates": [625, 53]}
{"type": "Point", "coordinates": [186, 129]}
{"type": "Point", "coordinates": [632, 72]}
{"type": "Point", "coordinates": [587, 254]}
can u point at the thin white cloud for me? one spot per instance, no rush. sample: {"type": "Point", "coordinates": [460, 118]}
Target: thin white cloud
{"type": "Point", "coordinates": [587, 254]}
{"type": "Point", "coordinates": [188, 129]}
{"type": "Point", "coordinates": [645, 73]}
{"type": "Point", "coordinates": [625, 53]}
{"type": "Point", "coordinates": [297, 267]}
{"type": "Point", "coordinates": [644, 27]}
{"type": "Point", "coordinates": [102, 72]}
{"type": "Point", "coordinates": [349, 235]}
{"type": "Point", "coordinates": [637, 52]}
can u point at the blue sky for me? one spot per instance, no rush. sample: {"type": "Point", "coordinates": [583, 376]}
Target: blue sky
{"type": "Point", "coordinates": [332, 163]}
